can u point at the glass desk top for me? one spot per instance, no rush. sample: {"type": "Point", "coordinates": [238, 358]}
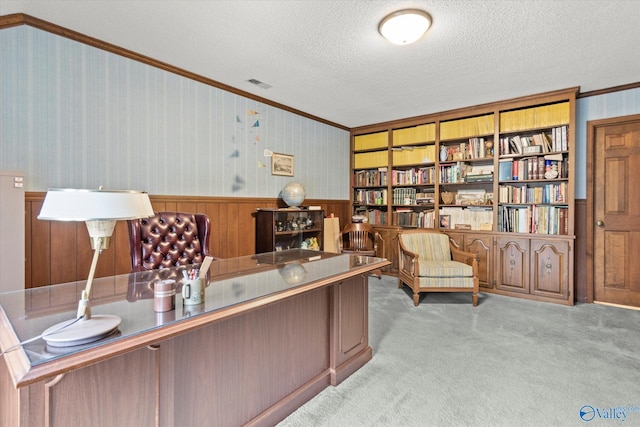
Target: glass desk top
{"type": "Point", "coordinates": [230, 282]}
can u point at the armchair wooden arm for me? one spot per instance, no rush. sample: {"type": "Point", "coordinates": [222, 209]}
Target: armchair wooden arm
{"type": "Point", "coordinates": [408, 261]}
{"type": "Point", "coordinates": [466, 257]}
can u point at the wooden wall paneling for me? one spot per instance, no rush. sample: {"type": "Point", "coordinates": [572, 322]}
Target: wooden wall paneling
{"type": "Point", "coordinates": [58, 252]}
{"type": "Point", "coordinates": [580, 252]}
{"type": "Point", "coordinates": [246, 228]}
{"type": "Point", "coordinates": [233, 233]}
{"type": "Point", "coordinates": [212, 210]}
{"type": "Point", "coordinates": [40, 255]}
{"type": "Point", "coordinates": [63, 242]}
{"type": "Point", "coordinates": [186, 206]}
{"type": "Point", "coordinates": [28, 243]}
{"type": "Point", "coordinates": [120, 244]}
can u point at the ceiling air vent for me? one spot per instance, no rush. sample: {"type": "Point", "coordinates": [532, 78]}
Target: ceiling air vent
{"type": "Point", "coordinates": [259, 83]}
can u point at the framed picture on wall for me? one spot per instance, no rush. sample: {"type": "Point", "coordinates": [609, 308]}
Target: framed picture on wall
{"type": "Point", "coordinates": [282, 164]}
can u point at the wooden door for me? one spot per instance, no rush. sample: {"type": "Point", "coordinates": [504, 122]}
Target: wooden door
{"type": "Point", "coordinates": [616, 210]}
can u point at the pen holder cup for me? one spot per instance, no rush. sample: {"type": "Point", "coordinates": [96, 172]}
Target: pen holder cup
{"type": "Point", "coordinates": [193, 292]}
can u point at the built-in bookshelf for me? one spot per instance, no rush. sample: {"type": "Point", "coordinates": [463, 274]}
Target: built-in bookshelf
{"type": "Point", "coordinates": [485, 175]}
{"type": "Point", "coordinates": [370, 177]}
{"type": "Point", "coordinates": [413, 175]}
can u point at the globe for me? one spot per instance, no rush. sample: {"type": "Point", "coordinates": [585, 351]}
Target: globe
{"type": "Point", "coordinates": [293, 194]}
{"type": "Point", "coordinates": [293, 273]}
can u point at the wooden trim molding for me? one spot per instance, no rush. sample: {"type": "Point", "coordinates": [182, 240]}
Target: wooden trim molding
{"type": "Point", "coordinates": [8, 21]}
{"type": "Point", "coordinates": [609, 90]}
{"type": "Point", "coordinates": [60, 252]}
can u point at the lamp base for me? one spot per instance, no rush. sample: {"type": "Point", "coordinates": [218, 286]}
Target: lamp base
{"type": "Point", "coordinates": [81, 332]}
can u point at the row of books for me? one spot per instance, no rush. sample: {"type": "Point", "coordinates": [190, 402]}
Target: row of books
{"type": "Point", "coordinates": [404, 196]}
{"type": "Point", "coordinates": [425, 175]}
{"type": "Point", "coordinates": [374, 216]}
{"type": "Point", "coordinates": [412, 197]}
{"type": "Point", "coordinates": [373, 159]}
{"type": "Point", "coordinates": [464, 128]}
{"type": "Point", "coordinates": [539, 142]}
{"type": "Point", "coordinates": [370, 141]}
{"type": "Point", "coordinates": [408, 218]}
{"type": "Point", "coordinates": [376, 177]}
{"type": "Point", "coordinates": [415, 134]}
{"type": "Point", "coordinates": [474, 149]}
{"type": "Point", "coordinates": [533, 168]}
{"type": "Point", "coordinates": [549, 193]}
{"type": "Point", "coordinates": [534, 219]}
{"type": "Point", "coordinates": [451, 174]}
{"type": "Point", "coordinates": [535, 117]}
{"type": "Point", "coordinates": [412, 155]}
{"type": "Point", "coordinates": [370, 197]}
{"type": "Point", "coordinates": [473, 218]}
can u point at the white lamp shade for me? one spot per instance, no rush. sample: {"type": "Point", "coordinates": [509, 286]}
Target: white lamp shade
{"type": "Point", "coordinates": [405, 26]}
{"type": "Point", "coordinates": [91, 205]}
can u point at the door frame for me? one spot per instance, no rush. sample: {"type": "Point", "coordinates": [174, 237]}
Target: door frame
{"type": "Point", "coordinates": [592, 126]}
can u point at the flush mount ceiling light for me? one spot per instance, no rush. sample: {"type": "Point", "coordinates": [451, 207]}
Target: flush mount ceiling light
{"type": "Point", "coordinates": [405, 26]}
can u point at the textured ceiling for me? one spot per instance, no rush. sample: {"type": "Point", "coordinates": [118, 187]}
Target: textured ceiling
{"type": "Point", "coordinates": [326, 58]}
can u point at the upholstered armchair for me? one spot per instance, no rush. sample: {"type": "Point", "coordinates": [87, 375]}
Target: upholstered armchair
{"type": "Point", "coordinates": [168, 239]}
{"type": "Point", "coordinates": [429, 262]}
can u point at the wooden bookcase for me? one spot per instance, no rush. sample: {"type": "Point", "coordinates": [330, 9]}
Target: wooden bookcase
{"type": "Point", "coordinates": [288, 228]}
{"type": "Point", "coordinates": [498, 178]}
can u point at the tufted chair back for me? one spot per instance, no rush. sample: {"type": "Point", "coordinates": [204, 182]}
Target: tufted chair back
{"type": "Point", "coordinates": [168, 239]}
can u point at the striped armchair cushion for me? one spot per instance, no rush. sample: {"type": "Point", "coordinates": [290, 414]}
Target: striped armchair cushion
{"type": "Point", "coordinates": [429, 246]}
{"type": "Point", "coordinates": [444, 269]}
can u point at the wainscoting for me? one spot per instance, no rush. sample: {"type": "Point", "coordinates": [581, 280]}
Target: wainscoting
{"type": "Point", "coordinates": [59, 252]}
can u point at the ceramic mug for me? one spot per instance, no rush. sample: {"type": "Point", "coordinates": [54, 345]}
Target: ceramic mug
{"type": "Point", "coordinates": [193, 292]}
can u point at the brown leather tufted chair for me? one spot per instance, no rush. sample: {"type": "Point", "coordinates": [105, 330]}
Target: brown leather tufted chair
{"type": "Point", "coordinates": [168, 239]}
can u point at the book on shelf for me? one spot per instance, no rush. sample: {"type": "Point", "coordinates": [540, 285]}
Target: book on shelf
{"type": "Point", "coordinates": [504, 169]}
{"type": "Point", "coordinates": [370, 177]}
{"type": "Point", "coordinates": [471, 197]}
{"type": "Point", "coordinates": [480, 218]}
{"type": "Point", "coordinates": [479, 178]}
{"type": "Point", "coordinates": [409, 218]}
{"type": "Point", "coordinates": [534, 219]}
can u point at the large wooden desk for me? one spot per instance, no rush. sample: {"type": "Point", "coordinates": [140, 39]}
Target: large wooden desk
{"type": "Point", "coordinates": [275, 330]}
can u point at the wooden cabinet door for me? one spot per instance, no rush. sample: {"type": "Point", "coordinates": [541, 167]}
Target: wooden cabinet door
{"type": "Point", "coordinates": [550, 262]}
{"type": "Point", "coordinates": [482, 245]}
{"type": "Point", "coordinates": [388, 246]}
{"type": "Point", "coordinates": [512, 264]}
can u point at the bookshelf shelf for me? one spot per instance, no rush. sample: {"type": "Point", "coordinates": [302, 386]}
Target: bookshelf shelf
{"type": "Point", "coordinates": [281, 229]}
{"type": "Point", "coordinates": [502, 174]}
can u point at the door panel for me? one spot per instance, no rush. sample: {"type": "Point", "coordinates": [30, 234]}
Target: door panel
{"type": "Point", "coordinates": [512, 262]}
{"type": "Point", "coordinates": [482, 246]}
{"type": "Point", "coordinates": [550, 275]}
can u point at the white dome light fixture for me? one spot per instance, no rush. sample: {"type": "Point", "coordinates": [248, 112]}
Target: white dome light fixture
{"type": "Point", "coordinates": [405, 26]}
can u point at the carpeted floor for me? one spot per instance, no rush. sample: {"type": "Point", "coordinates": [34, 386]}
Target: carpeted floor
{"type": "Point", "coordinates": [507, 362]}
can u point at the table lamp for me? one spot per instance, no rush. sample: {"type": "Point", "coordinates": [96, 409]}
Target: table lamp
{"type": "Point", "coordinates": [99, 209]}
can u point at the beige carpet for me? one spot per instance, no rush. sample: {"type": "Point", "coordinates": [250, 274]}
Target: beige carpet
{"type": "Point", "coordinates": [507, 362]}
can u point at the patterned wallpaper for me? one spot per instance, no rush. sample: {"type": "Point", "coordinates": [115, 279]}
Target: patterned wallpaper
{"type": "Point", "coordinates": [614, 104]}
{"type": "Point", "coordinates": [75, 116]}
